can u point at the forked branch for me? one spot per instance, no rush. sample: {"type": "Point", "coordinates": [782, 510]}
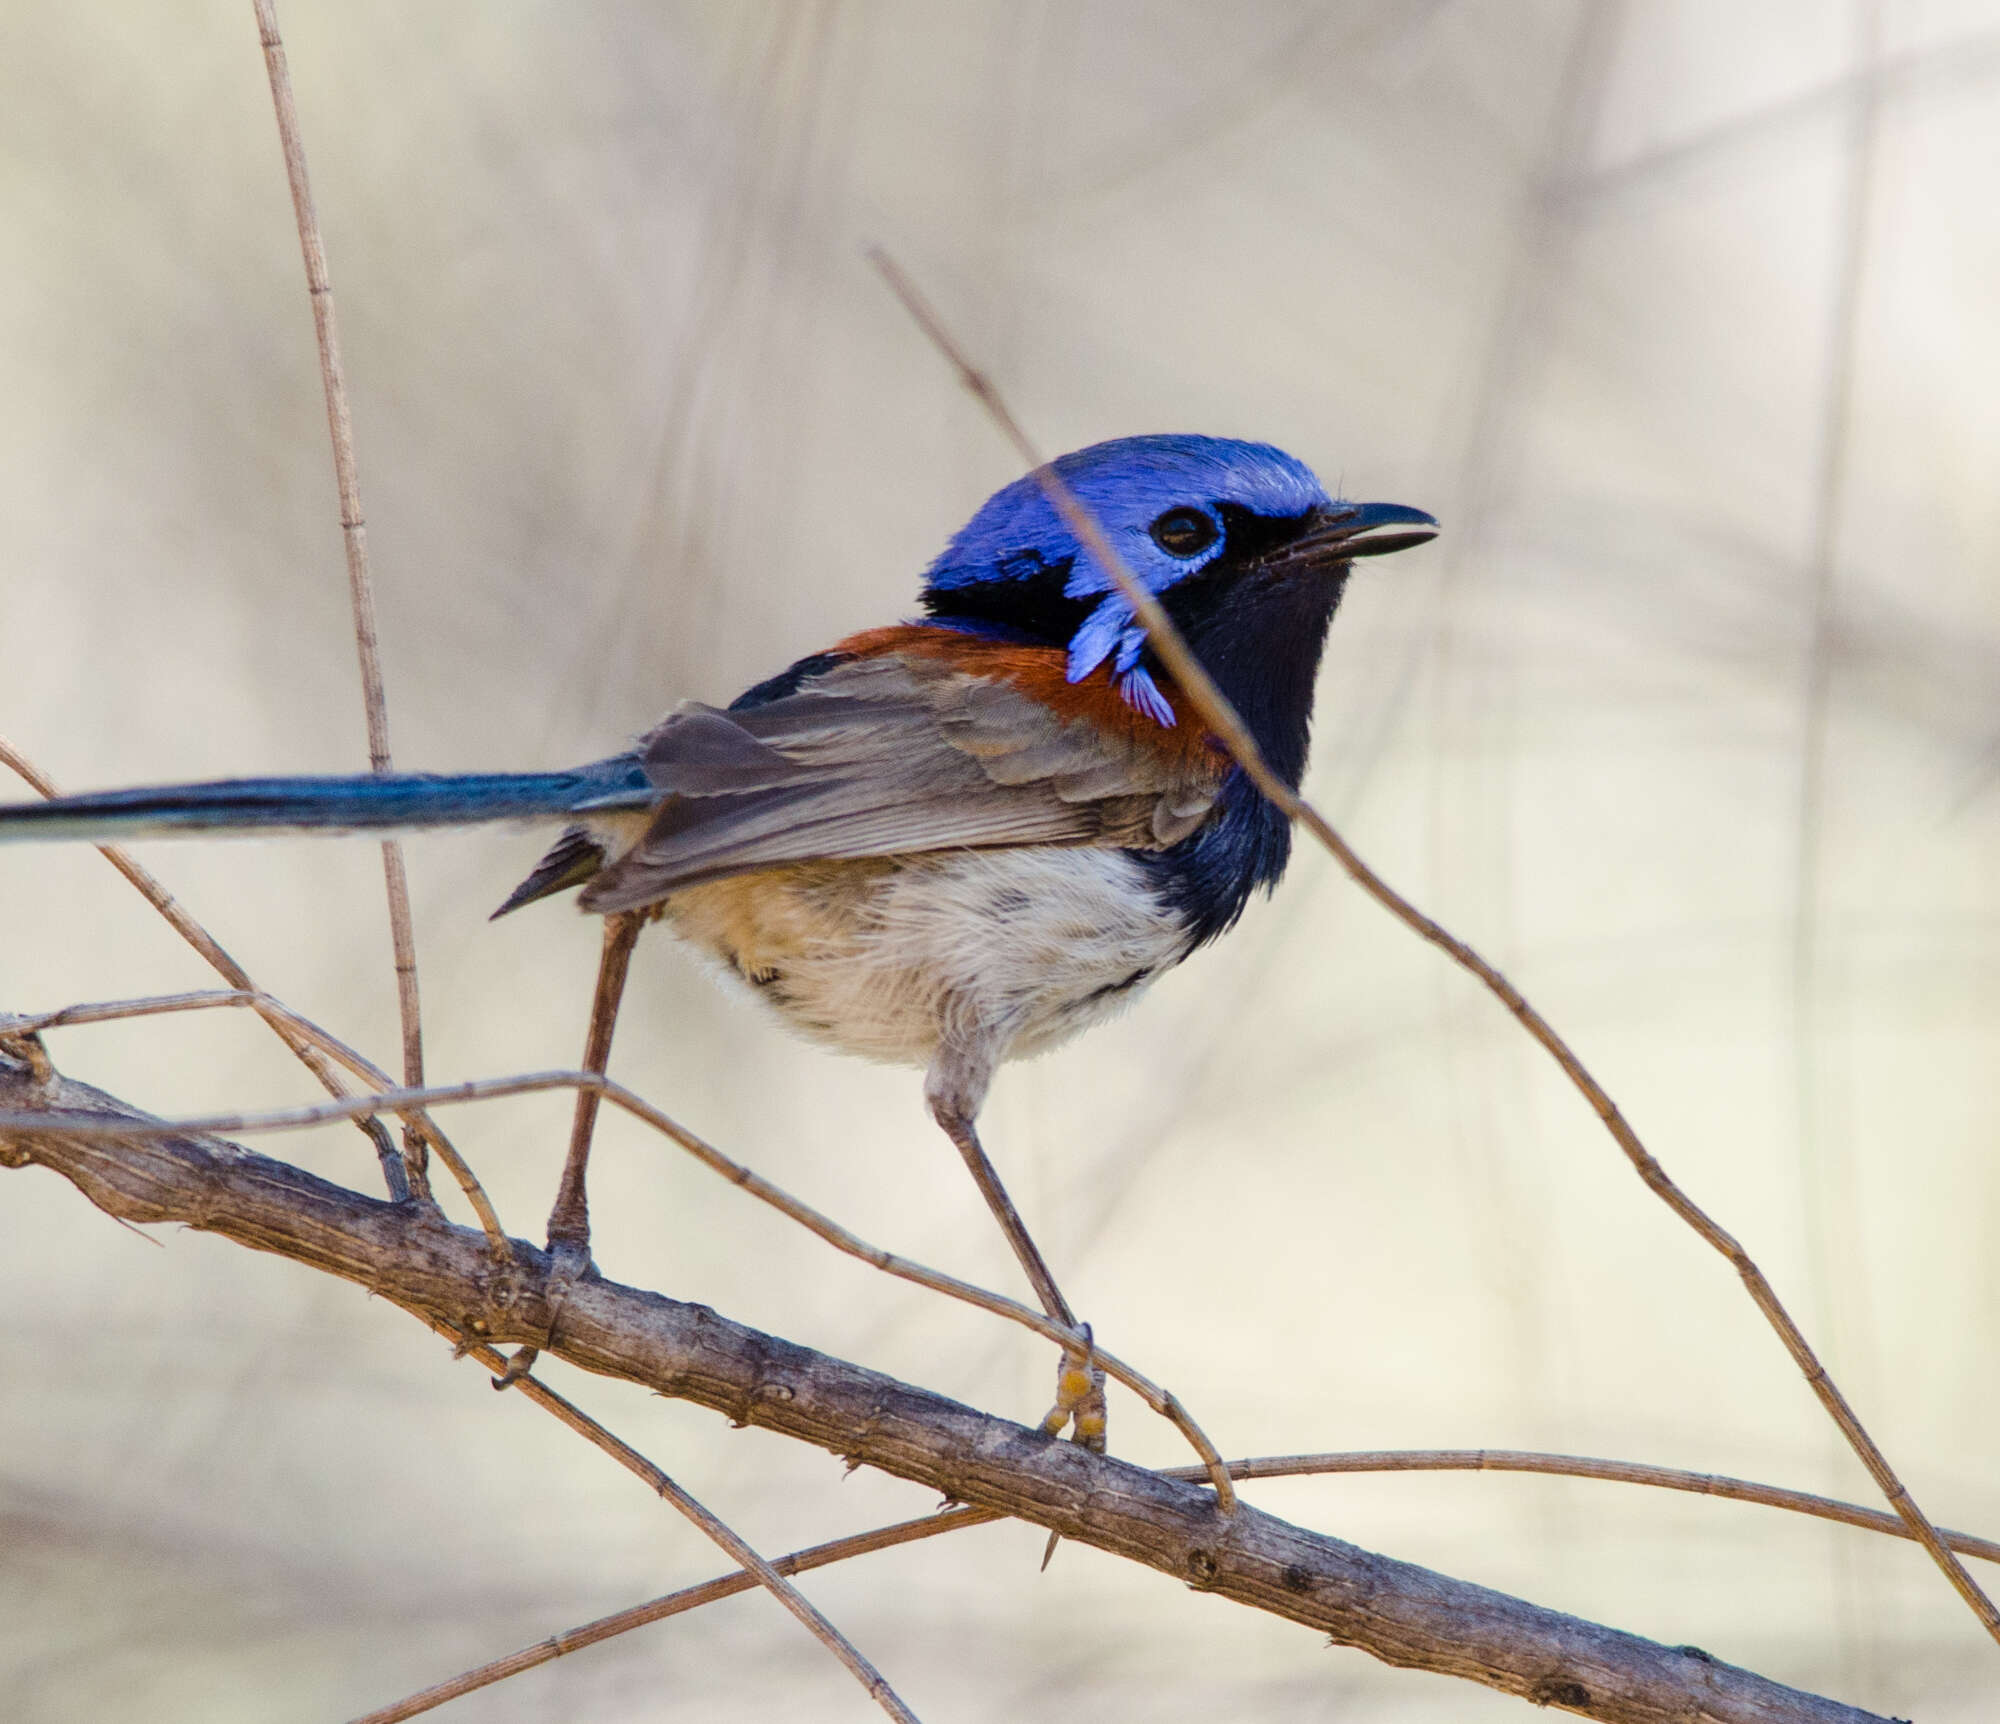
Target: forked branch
{"type": "Point", "coordinates": [445, 1275]}
{"type": "Point", "coordinates": [529, 1083]}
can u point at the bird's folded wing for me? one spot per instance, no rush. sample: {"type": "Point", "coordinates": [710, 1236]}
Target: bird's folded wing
{"type": "Point", "coordinates": [897, 753]}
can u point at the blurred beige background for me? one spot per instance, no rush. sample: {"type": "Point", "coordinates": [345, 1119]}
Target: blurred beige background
{"type": "Point", "coordinates": [1682, 317]}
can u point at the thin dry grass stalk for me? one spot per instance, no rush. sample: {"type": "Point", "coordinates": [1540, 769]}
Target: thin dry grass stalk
{"type": "Point", "coordinates": [282, 1018]}
{"type": "Point", "coordinates": [675, 1604]}
{"type": "Point", "coordinates": [1165, 640]}
{"type": "Point", "coordinates": [354, 538]}
{"type": "Point", "coordinates": [1587, 1467]}
{"type": "Point", "coordinates": [757, 1570]}
{"type": "Point", "coordinates": [297, 1033]}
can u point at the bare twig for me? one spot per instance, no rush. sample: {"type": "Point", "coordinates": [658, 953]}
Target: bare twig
{"type": "Point", "coordinates": [219, 960]}
{"type": "Point", "coordinates": [1404, 1614]}
{"type": "Point", "coordinates": [1268, 1467]}
{"type": "Point", "coordinates": [1588, 1467]}
{"type": "Point", "coordinates": [1165, 641]}
{"type": "Point", "coordinates": [354, 537]}
{"type": "Point", "coordinates": [491, 1089]}
{"type": "Point", "coordinates": [675, 1604]}
{"type": "Point", "coordinates": [290, 1023]}
{"type": "Point", "coordinates": [762, 1572]}
{"type": "Point", "coordinates": [208, 999]}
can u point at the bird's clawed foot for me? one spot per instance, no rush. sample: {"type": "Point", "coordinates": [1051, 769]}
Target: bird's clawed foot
{"type": "Point", "coordinates": [570, 1263]}
{"type": "Point", "coordinates": [1080, 1396]}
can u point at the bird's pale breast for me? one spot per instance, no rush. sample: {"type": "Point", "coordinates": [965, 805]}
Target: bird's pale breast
{"type": "Point", "coordinates": [1017, 949]}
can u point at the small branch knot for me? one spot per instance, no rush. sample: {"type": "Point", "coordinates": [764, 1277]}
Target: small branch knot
{"type": "Point", "coordinates": [23, 1058]}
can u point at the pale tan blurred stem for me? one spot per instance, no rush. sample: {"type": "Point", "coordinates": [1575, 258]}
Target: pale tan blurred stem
{"type": "Point", "coordinates": [1165, 640]}
{"type": "Point", "coordinates": [717, 1530]}
{"type": "Point", "coordinates": [354, 537]}
{"type": "Point", "coordinates": [284, 1023]}
{"type": "Point", "coordinates": [1267, 1467]}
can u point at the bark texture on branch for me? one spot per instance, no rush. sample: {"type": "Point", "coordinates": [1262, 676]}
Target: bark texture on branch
{"type": "Point", "coordinates": [450, 1278]}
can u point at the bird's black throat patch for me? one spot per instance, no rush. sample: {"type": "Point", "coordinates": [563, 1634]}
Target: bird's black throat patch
{"type": "Point", "coordinates": [1260, 632]}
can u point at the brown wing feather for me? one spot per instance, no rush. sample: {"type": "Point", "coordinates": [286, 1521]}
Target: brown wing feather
{"type": "Point", "coordinates": [899, 752]}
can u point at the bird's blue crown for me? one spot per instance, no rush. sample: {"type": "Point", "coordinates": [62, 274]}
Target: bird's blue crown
{"type": "Point", "coordinates": [1159, 501]}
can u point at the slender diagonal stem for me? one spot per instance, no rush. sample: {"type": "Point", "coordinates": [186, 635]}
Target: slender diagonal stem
{"type": "Point", "coordinates": [1194, 681]}
{"type": "Point", "coordinates": [1836, 1269]}
{"type": "Point", "coordinates": [569, 1220]}
{"type": "Point", "coordinates": [675, 1604]}
{"type": "Point", "coordinates": [213, 954]}
{"type": "Point", "coordinates": [717, 1530]}
{"type": "Point", "coordinates": [354, 540]}
{"type": "Point", "coordinates": [1589, 1467]}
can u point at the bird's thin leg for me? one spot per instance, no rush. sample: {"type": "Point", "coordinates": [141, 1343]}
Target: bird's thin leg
{"type": "Point", "coordinates": [569, 1220]}
{"type": "Point", "coordinates": [961, 1132]}
{"type": "Point", "coordinates": [955, 1087]}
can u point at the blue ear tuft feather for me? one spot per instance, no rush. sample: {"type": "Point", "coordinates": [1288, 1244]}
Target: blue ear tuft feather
{"type": "Point", "coordinates": [1100, 636]}
{"type": "Point", "coordinates": [1143, 693]}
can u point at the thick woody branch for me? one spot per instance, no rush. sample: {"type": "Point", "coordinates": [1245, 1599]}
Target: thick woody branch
{"type": "Point", "coordinates": [448, 1277]}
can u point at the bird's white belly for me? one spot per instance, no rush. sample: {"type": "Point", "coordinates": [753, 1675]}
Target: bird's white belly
{"type": "Point", "coordinates": [1015, 950]}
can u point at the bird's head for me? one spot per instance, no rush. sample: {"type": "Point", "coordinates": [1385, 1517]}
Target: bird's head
{"type": "Point", "coordinates": [1234, 532]}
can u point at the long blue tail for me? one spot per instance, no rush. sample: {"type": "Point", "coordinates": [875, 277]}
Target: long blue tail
{"type": "Point", "coordinates": [358, 804]}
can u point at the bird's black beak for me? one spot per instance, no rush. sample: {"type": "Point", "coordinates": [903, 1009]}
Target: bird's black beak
{"type": "Point", "coordinates": [1347, 530]}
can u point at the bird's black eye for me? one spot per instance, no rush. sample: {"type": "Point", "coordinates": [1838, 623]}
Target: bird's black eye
{"type": "Point", "coordinates": [1183, 532]}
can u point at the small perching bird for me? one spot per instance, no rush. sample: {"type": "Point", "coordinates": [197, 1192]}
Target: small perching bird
{"type": "Point", "coordinates": [948, 842]}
